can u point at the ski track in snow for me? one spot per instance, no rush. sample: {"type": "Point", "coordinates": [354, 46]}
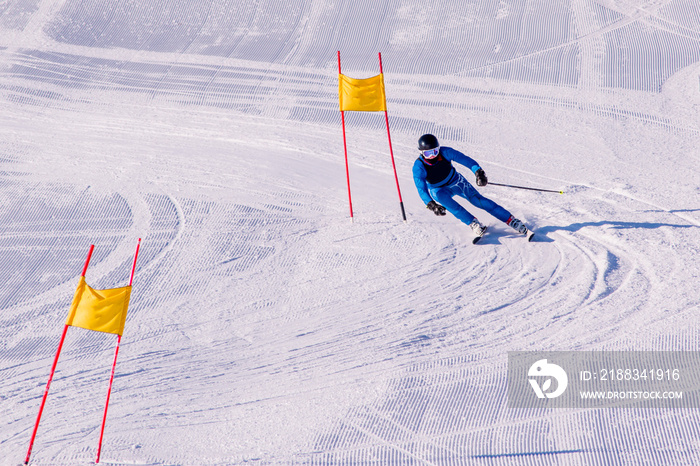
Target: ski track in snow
{"type": "Point", "coordinates": [265, 326]}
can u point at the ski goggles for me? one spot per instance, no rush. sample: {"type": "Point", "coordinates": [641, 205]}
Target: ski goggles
{"type": "Point", "coordinates": [431, 153]}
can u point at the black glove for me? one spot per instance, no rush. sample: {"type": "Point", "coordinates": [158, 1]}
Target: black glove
{"type": "Point", "coordinates": [436, 208]}
{"type": "Point", "coordinates": [481, 179]}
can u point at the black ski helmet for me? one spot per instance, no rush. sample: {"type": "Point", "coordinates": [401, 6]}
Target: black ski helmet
{"type": "Point", "coordinates": [427, 141]}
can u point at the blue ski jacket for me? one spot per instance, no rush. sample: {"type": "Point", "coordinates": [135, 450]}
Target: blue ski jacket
{"type": "Point", "coordinates": [424, 174]}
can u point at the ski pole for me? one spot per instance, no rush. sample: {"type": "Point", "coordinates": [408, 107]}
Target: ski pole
{"type": "Point", "coordinates": [531, 189]}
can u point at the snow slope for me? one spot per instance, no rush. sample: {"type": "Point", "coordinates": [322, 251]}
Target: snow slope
{"type": "Point", "coordinates": [266, 327]}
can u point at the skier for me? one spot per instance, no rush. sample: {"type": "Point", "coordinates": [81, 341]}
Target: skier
{"type": "Point", "coordinates": [438, 182]}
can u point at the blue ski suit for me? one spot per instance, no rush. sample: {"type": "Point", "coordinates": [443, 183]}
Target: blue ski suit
{"type": "Point", "coordinates": [440, 181]}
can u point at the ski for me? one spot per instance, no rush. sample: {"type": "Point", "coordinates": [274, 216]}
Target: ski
{"type": "Point", "coordinates": [530, 235]}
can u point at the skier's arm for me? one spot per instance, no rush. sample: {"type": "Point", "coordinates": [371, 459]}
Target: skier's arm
{"type": "Point", "coordinates": [470, 163]}
{"type": "Point", "coordinates": [419, 175]}
{"type": "Point", "coordinates": [456, 156]}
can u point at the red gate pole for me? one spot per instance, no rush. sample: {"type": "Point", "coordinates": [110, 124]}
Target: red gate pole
{"type": "Point", "coordinates": [133, 267]}
{"type": "Point", "coordinates": [114, 365]}
{"type": "Point", "coordinates": [345, 147]}
{"type": "Point", "coordinates": [53, 370]}
{"type": "Point", "coordinates": [109, 392]}
{"type": "Point", "coordinates": [391, 151]}
{"type": "Point", "coordinates": [46, 393]}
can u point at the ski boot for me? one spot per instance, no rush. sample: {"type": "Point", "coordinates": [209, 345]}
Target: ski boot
{"type": "Point", "coordinates": [520, 227]}
{"type": "Point", "coordinates": [478, 230]}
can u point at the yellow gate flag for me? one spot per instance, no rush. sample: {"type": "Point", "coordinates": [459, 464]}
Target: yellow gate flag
{"type": "Point", "coordinates": [99, 310]}
{"type": "Point", "coordinates": [362, 95]}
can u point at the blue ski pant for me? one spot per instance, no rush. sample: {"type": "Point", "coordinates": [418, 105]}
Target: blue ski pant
{"type": "Point", "coordinates": [461, 187]}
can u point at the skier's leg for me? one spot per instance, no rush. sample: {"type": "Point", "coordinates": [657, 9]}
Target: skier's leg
{"type": "Point", "coordinates": [472, 195]}
{"type": "Point", "coordinates": [444, 197]}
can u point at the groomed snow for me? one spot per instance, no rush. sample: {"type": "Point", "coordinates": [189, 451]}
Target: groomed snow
{"type": "Point", "coordinates": [265, 327]}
